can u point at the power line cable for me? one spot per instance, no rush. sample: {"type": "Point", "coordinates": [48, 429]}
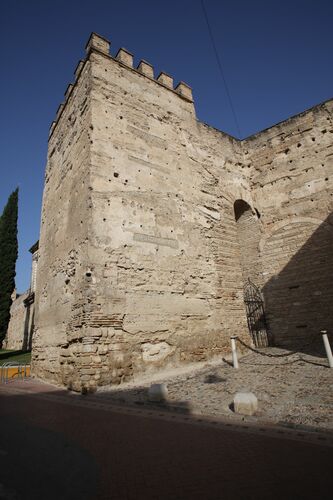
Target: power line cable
{"type": "Point", "coordinates": [219, 63]}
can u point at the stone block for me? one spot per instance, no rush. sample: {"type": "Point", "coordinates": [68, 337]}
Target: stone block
{"type": "Point", "coordinates": [184, 90]}
{"type": "Point", "coordinates": [88, 348]}
{"type": "Point", "coordinates": [155, 352]}
{"type": "Point", "coordinates": [146, 69]}
{"type": "Point", "coordinates": [98, 42]}
{"type": "Point", "coordinates": [165, 79]}
{"type": "Point", "coordinates": [157, 393]}
{"type": "Point", "coordinates": [245, 403]}
{"type": "Point", "coordinates": [125, 57]}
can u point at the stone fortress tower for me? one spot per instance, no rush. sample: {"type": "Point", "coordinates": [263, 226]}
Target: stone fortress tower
{"type": "Point", "coordinates": [153, 222]}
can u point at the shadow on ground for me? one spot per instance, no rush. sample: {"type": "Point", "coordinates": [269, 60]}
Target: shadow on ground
{"type": "Point", "coordinates": [138, 397]}
{"type": "Point", "coordinates": [58, 445]}
{"type": "Point", "coordinates": [41, 463]}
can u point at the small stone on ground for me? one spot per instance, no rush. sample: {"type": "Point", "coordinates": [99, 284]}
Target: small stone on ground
{"type": "Point", "coordinates": [245, 403]}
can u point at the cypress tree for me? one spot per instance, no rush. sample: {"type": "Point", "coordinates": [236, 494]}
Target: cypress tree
{"type": "Point", "coordinates": [8, 256]}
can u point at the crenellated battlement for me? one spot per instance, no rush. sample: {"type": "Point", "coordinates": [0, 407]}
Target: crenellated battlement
{"type": "Point", "coordinates": [101, 45]}
{"type": "Point", "coordinates": [124, 56]}
{"type": "Point", "coordinates": [97, 42]}
{"type": "Point", "coordinates": [146, 69]}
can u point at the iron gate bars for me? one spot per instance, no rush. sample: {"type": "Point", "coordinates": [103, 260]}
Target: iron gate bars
{"type": "Point", "coordinates": [255, 314]}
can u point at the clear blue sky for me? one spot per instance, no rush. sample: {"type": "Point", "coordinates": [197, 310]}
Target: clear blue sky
{"type": "Point", "coordinates": [276, 56]}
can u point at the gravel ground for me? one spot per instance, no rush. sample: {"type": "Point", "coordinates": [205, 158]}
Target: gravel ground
{"type": "Point", "coordinates": [291, 391]}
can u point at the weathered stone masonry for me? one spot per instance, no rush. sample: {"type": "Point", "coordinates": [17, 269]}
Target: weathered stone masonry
{"type": "Point", "coordinates": [22, 312]}
{"type": "Point", "coordinates": [142, 261]}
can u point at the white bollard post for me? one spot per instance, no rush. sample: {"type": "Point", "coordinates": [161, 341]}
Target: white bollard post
{"type": "Point", "coordinates": [234, 351]}
{"type": "Point", "coordinates": [327, 348]}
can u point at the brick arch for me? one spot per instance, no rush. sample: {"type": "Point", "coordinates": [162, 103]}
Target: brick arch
{"type": "Point", "coordinates": [298, 262]}
{"type": "Point", "coordinates": [238, 193]}
{"type": "Point", "coordinates": [292, 220]}
{"type": "Point", "coordinates": [248, 237]}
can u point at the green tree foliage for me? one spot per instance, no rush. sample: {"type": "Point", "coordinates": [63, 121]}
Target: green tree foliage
{"type": "Point", "coordinates": [8, 256]}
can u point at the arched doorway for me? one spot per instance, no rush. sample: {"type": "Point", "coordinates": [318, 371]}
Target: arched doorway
{"type": "Point", "coordinates": [248, 235]}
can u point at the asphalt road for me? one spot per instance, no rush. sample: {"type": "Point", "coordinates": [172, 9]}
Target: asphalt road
{"type": "Point", "coordinates": [55, 446]}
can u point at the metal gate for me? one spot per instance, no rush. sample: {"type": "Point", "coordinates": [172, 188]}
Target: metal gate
{"type": "Point", "coordinates": [255, 314]}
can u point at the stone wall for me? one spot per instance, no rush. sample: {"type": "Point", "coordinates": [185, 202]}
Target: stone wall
{"type": "Point", "coordinates": [292, 186]}
{"type": "Point", "coordinates": [136, 211]}
{"type": "Point", "coordinates": [62, 286]}
{"type": "Point", "coordinates": [142, 260]}
{"type": "Point", "coordinates": [20, 328]}
{"type": "Point", "coordinates": [166, 278]}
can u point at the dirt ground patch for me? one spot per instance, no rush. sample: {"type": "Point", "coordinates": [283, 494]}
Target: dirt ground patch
{"type": "Point", "coordinates": [294, 391]}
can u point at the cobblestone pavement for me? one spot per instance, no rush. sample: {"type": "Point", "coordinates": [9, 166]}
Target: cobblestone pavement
{"type": "Point", "coordinates": [293, 391]}
{"type": "Point", "coordinates": [57, 445]}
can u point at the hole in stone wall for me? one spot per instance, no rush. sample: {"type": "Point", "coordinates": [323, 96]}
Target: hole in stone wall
{"type": "Point", "coordinates": [240, 207]}
{"type": "Point", "coordinates": [115, 174]}
{"type": "Point", "coordinates": [88, 274]}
